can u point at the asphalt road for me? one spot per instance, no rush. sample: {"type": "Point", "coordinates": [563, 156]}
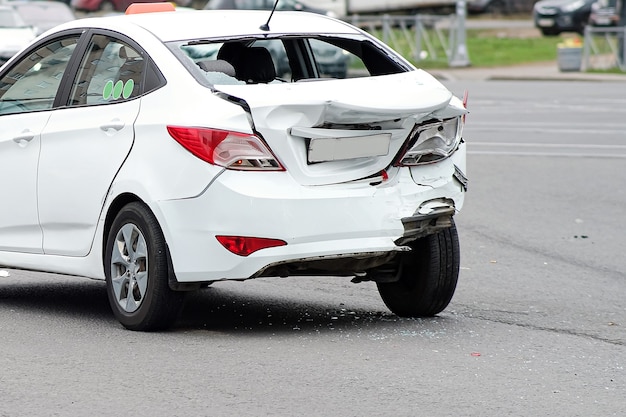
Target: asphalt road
{"type": "Point", "coordinates": [537, 326]}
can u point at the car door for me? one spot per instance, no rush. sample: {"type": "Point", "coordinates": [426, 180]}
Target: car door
{"type": "Point", "coordinates": [84, 145]}
{"type": "Point", "coordinates": [27, 92]}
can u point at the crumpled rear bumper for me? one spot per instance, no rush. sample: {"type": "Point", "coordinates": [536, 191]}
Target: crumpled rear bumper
{"type": "Point", "coordinates": [317, 222]}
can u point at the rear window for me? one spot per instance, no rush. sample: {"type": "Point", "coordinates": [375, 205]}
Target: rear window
{"type": "Point", "coordinates": [290, 59]}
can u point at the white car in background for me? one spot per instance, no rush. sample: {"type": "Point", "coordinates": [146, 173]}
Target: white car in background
{"type": "Point", "coordinates": [159, 151]}
{"type": "Point", "coordinates": [14, 32]}
{"type": "Point", "coordinates": [42, 15]}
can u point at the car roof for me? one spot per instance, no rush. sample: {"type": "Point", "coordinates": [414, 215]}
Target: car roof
{"type": "Point", "coordinates": [206, 24]}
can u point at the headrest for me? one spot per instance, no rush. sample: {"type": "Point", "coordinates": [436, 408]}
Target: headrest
{"type": "Point", "coordinates": [127, 53]}
{"type": "Point", "coordinates": [255, 65]}
{"type": "Point", "coordinates": [230, 51]}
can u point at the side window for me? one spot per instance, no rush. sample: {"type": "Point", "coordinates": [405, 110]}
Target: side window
{"type": "Point", "coordinates": [110, 71]}
{"type": "Point", "coordinates": [32, 83]}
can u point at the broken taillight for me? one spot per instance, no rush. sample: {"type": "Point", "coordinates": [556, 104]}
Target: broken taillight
{"type": "Point", "coordinates": [432, 142]}
{"type": "Point", "coordinates": [228, 149]}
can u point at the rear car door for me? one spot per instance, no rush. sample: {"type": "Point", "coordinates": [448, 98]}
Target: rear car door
{"type": "Point", "coordinates": [84, 144]}
{"type": "Point", "coordinates": [27, 93]}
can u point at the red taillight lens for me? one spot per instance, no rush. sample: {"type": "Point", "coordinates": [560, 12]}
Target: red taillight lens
{"type": "Point", "coordinates": [233, 150]}
{"type": "Point", "coordinates": [244, 246]}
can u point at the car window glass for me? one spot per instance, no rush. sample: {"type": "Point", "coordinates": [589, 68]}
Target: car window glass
{"type": "Point", "coordinates": [335, 62]}
{"type": "Point", "coordinates": [232, 62]}
{"type": "Point", "coordinates": [289, 59]}
{"type": "Point", "coordinates": [32, 83]}
{"type": "Point", "coordinates": [110, 71]}
{"type": "Point", "coordinates": [216, 66]}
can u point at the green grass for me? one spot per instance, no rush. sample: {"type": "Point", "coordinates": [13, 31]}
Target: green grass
{"type": "Point", "coordinates": [614, 70]}
{"type": "Point", "coordinates": [487, 49]}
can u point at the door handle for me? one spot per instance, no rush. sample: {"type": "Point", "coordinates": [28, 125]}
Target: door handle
{"type": "Point", "coordinates": [24, 137]}
{"type": "Point", "coordinates": [115, 124]}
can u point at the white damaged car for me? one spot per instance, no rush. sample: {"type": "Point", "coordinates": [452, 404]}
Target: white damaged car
{"type": "Point", "coordinates": [159, 151]}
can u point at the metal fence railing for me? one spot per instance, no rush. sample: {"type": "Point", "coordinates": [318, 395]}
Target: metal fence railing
{"type": "Point", "coordinates": [604, 48]}
{"type": "Point", "coordinates": [427, 37]}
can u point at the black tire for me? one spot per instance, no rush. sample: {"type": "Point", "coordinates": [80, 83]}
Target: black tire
{"type": "Point", "coordinates": [137, 270]}
{"type": "Point", "coordinates": [428, 276]}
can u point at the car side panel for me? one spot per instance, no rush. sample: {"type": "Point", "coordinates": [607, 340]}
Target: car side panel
{"type": "Point", "coordinates": [20, 142]}
{"type": "Point", "coordinates": [77, 165]}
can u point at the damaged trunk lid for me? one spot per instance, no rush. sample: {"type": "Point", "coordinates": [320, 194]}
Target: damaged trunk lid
{"type": "Point", "coordinates": [335, 131]}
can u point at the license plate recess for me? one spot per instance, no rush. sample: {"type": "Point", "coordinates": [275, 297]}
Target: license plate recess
{"type": "Point", "coordinates": [342, 148]}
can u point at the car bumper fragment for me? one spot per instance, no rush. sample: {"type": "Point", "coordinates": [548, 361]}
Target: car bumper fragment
{"type": "Point", "coordinates": [421, 225]}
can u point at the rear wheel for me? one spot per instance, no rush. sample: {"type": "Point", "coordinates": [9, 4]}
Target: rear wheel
{"type": "Point", "coordinates": [137, 271]}
{"type": "Point", "coordinates": [428, 276]}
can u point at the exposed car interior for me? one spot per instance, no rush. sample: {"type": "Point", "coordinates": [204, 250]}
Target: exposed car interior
{"type": "Point", "coordinates": [288, 59]}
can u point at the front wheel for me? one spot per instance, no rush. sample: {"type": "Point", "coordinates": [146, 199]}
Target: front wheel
{"type": "Point", "coordinates": [428, 276]}
{"type": "Point", "coordinates": [137, 271]}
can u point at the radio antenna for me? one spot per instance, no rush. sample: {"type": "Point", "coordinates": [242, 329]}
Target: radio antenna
{"type": "Point", "coordinates": [266, 27]}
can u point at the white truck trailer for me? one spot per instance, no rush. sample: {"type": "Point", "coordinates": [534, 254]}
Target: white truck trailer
{"type": "Point", "coordinates": [349, 7]}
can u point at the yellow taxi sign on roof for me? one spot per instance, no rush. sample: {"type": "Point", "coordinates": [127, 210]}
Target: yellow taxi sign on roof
{"type": "Point", "coordinates": [137, 8]}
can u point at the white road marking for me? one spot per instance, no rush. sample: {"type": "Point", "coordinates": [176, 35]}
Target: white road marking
{"type": "Point", "coordinates": [547, 149]}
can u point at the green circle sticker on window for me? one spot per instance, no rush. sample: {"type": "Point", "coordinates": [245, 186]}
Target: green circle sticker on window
{"type": "Point", "coordinates": [108, 90]}
{"type": "Point", "coordinates": [117, 89]}
{"type": "Point", "coordinates": [128, 88]}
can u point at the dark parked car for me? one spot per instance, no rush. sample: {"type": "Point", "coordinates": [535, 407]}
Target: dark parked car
{"type": "Point", "coordinates": [555, 16]}
{"type": "Point", "coordinates": [604, 13]}
{"type": "Point", "coordinates": [499, 7]}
